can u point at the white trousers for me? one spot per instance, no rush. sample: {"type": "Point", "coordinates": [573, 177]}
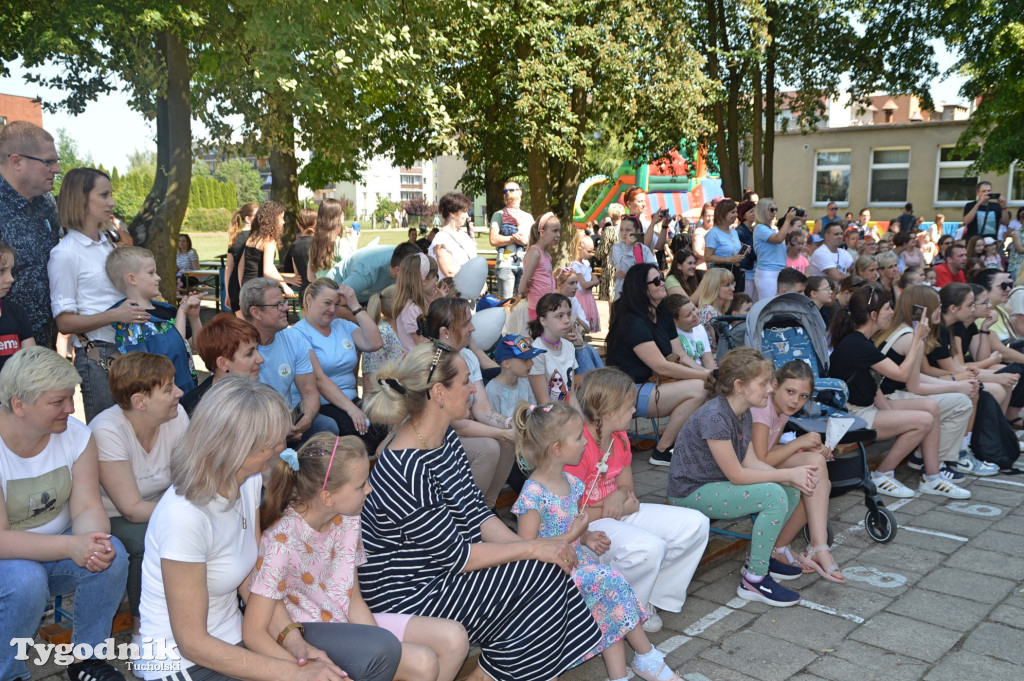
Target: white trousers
{"type": "Point", "coordinates": [767, 283]}
{"type": "Point", "coordinates": [954, 415]}
{"type": "Point", "coordinates": [657, 549]}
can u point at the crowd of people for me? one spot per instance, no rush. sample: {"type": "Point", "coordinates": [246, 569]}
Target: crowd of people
{"type": "Point", "coordinates": [187, 496]}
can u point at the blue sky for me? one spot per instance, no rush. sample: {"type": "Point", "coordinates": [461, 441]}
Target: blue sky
{"type": "Point", "coordinates": [110, 131]}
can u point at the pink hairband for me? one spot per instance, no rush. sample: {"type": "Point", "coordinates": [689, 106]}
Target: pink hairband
{"type": "Point", "coordinates": [331, 462]}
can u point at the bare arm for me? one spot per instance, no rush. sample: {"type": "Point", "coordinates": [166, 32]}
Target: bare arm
{"type": "Point", "coordinates": [118, 479]}
{"type": "Point", "coordinates": [530, 262]}
{"type": "Point", "coordinates": [306, 384]}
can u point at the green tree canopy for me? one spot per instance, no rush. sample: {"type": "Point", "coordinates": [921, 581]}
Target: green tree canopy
{"type": "Point", "coordinates": [247, 181]}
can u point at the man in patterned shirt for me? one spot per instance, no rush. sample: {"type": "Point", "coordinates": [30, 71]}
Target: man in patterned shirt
{"type": "Point", "coordinates": [28, 218]}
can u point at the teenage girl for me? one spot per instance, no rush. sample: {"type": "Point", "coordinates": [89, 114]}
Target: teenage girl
{"type": "Point", "coordinates": [794, 383]}
{"type": "Point", "coordinates": [537, 274]}
{"type": "Point", "coordinates": [552, 373]}
{"type": "Point", "coordinates": [551, 505]}
{"type": "Point", "coordinates": [583, 250]}
{"type": "Point", "coordinates": [715, 471]}
{"type": "Point", "coordinates": [912, 422]}
{"type": "Point", "coordinates": [656, 547]}
{"type": "Point", "coordinates": [417, 288]}
{"type": "Point", "coordinates": [260, 252]}
{"type": "Point", "coordinates": [567, 283]}
{"type": "Point", "coordinates": [308, 557]}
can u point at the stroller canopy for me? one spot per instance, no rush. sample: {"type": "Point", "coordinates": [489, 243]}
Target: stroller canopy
{"type": "Point", "coordinates": [797, 307]}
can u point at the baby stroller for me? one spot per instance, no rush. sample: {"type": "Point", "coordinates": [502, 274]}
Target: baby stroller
{"type": "Point", "coordinates": [789, 327]}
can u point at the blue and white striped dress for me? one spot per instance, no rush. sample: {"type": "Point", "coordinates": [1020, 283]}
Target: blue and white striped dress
{"type": "Point", "coordinates": [418, 525]}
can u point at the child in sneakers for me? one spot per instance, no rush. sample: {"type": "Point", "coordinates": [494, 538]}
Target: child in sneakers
{"type": "Point", "coordinates": [551, 505]}
{"type": "Point", "coordinates": [913, 422]}
{"type": "Point", "coordinates": [132, 270]}
{"type": "Point", "coordinates": [512, 386]}
{"type": "Point", "coordinates": [715, 471]}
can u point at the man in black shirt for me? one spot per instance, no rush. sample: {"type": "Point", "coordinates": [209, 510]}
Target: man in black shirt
{"type": "Point", "coordinates": [986, 214]}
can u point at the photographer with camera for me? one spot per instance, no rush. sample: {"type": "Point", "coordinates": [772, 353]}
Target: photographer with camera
{"type": "Point", "coordinates": [770, 245]}
{"type": "Point", "coordinates": [986, 214]}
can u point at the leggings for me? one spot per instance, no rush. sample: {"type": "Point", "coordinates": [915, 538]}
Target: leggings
{"type": "Point", "coordinates": [773, 504]}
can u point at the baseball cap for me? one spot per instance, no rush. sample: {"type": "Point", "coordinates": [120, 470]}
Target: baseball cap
{"type": "Point", "coordinates": [514, 346]}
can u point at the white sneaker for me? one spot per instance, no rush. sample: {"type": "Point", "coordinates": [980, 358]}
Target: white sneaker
{"type": "Point", "coordinates": [136, 672]}
{"type": "Point", "coordinates": [653, 623]}
{"type": "Point", "coordinates": [943, 488]}
{"type": "Point", "coordinates": [887, 484]}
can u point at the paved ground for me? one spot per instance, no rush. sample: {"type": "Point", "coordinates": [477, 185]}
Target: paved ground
{"type": "Point", "coordinates": [943, 601]}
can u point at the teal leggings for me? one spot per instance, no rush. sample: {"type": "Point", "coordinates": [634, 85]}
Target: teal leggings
{"type": "Point", "coordinates": [773, 504]}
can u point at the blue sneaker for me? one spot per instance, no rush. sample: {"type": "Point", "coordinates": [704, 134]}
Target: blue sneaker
{"type": "Point", "coordinates": [767, 591]}
{"type": "Point", "coordinates": [968, 464]}
{"type": "Point", "coordinates": [915, 461]}
{"type": "Point", "coordinates": [948, 472]}
{"type": "Point", "coordinates": [782, 572]}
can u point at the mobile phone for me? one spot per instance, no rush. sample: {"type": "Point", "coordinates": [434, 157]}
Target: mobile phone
{"type": "Point", "coordinates": [744, 249]}
{"type": "Point", "coordinates": [919, 312]}
{"type": "Point", "coordinates": [993, 196]}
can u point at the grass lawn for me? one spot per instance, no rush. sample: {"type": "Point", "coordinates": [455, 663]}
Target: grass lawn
{"type": "Point", "coordinates": [209, 245]}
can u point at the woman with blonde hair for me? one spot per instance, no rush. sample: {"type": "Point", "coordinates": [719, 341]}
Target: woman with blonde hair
{"type": "Point", "coordinates": [770, 246]}
{"type": "Point", "coordinates": [382, 309]}
{"type": "Point", "coordinates": [713, 296]}
{"type": "Point", "coordinates": [434, 549]}
{"type": "Point", "coordinates": [331, 242]}
{"type": "Point", "coordinates": [610, 237]}
{"type": "Point", "coordinates": [260, 253]}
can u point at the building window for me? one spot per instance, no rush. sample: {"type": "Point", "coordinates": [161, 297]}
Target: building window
{"type": "Point", "coordinates": [409, 196]}
{"type": "Point", "coordinates": [953, 183]}
{"type": "Point", "coordinates": [832, 176]}
{"type": "Point", "coordinates": [1016, 182]}
{"type": "Point", "coordinates": [890, 171]}
{"type": "Point", "coordinates": [416, 180]}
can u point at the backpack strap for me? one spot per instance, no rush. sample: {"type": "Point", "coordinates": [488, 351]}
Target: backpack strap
{"type": "Point", "coordinates": [891, 341]}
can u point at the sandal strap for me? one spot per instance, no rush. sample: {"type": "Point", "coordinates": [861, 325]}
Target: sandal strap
{"type": "Point", "coordinates": [787, 552]}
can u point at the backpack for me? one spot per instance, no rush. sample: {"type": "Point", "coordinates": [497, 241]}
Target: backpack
{"type": "Point", "coordinates": [993, 439]}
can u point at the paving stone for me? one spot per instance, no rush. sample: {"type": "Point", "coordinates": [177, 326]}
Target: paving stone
{"type": "Point", "coordinates": [700, 669]}
{"type": "Point", "coordinates": [763, 657]}
{"type": "Point", "coordinates": [1010, 523]}
{"type": "Point", "coordinates": [841, 598]}
{"type": "Point", "coordinates": [965, 665]}
{"type": "Point", "coordinates": [927, 541]}
{"type": "Point", "coordinates": [949, 612]}
{"type": "Point", "coordinates": [1009, 615]}
{"type": "Point", "coordinates": [721, 591]}
{"type": "Point", "coordinates": [920, 640]}
{"type": "Point", "coordinates": [735, 620]}
{"type": "Point", "coordinates": [983, 588]}
{"type": "Point", "coordinates": [853, 661]}
{"type": "Point", "coordinates": [997, 640]}
{"type": "Point", "coordinates": [984, 492]}
{"type": "Point", "coordinates": [902, 557]}
{"type": "Point", "coordinates": [953, 523]}
{"type": "Point", "coordinates": [803, 627]}
{"type": "Point", "coordinates": [977, 560]}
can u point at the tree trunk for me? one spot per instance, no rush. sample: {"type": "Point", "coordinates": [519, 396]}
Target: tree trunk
{"type": "Point", "coordinates": [494, 183]}
{"type": "Point", "coordinates": [284, 167]}
{"type": "Point", "coordinates": [757, 132]}
{"type": "Point", "coordinates": [158, 224]}
{"type": "Point", "coordinates": [771, 60]}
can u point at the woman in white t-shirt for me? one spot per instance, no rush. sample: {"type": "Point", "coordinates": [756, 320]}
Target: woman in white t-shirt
{"type": "Point", "coordinates": [452, 247]}
{"type": "Point", "coordinates": [54, 536]}
{"type": "Point", "coordinates": [202, 545]}
{"type": "Point", "coordinates": [135, 439]}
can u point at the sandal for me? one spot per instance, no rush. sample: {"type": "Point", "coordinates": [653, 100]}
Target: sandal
{"type": "Point", "coordinates": [648, 676]}
{"type": "Point", "coordinates": [1016, 423]}
{"type": "Point", "coordinates": [829, 573]}
{"type": "Point", "coordinates": [785, 555]}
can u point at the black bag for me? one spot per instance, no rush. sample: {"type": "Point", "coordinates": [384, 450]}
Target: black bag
{"type": "Point", "coordinates": [993, 439]}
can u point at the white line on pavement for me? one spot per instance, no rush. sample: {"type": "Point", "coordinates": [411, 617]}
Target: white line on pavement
{"type": "Point", "coordinates": [714, 617]}
{"type": "Point", "coordinates": [830, 611]}
{"type": "Point", "coordinates": [670, 644]}
{"type": "Point", "coordinates": [934, 533]}
{"type": "Point", "coordinates": [1003, 482]}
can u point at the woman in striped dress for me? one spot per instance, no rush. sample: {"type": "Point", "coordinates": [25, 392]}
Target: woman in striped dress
{"type": "Point", "coordinates": [434, 549]}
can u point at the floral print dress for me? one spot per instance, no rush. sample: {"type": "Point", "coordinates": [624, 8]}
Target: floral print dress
{"type": "Point", "coordinates": [606, 592]}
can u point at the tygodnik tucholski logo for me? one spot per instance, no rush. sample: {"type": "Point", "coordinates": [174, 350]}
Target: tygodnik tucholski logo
{"type": "Point", "coordinates": [153, 655]}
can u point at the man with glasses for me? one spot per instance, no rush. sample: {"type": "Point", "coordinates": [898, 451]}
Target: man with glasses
{"type": "Point", "coordinates": [28, 218]}
{"type": "Point", "coordinates": [952, 270]}
{"type": "Point", "coordinates": [831, 215]}
{"type": "Point", "coordinates": [287, 367]}
{"type": "Point", "coordinates": [510, 234]}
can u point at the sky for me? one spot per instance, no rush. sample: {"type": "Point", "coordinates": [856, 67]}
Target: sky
{"type": "Point", "coordinates": [110, 131]}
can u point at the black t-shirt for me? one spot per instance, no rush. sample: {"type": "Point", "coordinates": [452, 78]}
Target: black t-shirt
{"type": "Point", "coordinates": [631, 332]}
{"type": "Point", "coordinates": [972, 226]}
{"type": "Point", "coordinates": [908, 222]}
{"type": "Point", "coordinates": [190, 400]}
{"type": "Point", "coordinates": [297, 260]}
{"type": "Point", "coordinates": [14, 328]}
{"type": "Point", "coordinates": [236, 253]}
{"type": "Point", "coordinates": [942, 350]}
{"type": "Point", "coordinates": [851, 361]}
{"type": "Point", "coordinates": [966, 334]}
{"type": "Point", "coordinates": [826, 314]}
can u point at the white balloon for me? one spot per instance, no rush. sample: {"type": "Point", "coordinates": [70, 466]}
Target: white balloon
{"type": "Point", "coordinates": [470, 279]}
{"type": "Point", "coordinates": [487, 325]}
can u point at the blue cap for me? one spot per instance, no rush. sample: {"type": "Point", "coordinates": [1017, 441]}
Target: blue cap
{"type": "Point", "coordinates": [514, 346]}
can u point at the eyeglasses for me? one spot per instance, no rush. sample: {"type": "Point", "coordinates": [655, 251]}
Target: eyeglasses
{"type": "Point", "coordinates": [1006, 285]}
{"type": "Point", "coordinates": [657, 281]}
{"type": "Point", "coordinates": [439, 350]}
{"type": "Point", "coordinates": [510, 190]}
{"type": "Point", "coordinates": [283, 305]}
{"type": "Point", "coordinates": [833, 207]}
{"type": "Point", "coordinates": [49, 163]}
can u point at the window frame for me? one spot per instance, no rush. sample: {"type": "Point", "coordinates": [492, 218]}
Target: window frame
{"type": "Point", "coordinates": [940, 165]}
{"type": "Point", "coordinates": [1015, 167]}
{"type": "Point", "coordinates": [888, 166]}
{"type": "Point", "coordinates": [816, 169]}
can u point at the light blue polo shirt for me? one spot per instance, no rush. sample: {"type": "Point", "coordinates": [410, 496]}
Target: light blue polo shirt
{"type": "Point", "coordinates": [336, 353]}
{"type": "Point", "coordinates": [726, 244]}
{"type": "Point", "coordinates": [366, 271]}
{"type": "Point", "coordinates": [283, 360]}
{"type": "Point", "coordinates": [770, 257]}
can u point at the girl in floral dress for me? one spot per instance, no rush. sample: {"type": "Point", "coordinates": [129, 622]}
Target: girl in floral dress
{"type": "Point", "coordinates": [551, 437]}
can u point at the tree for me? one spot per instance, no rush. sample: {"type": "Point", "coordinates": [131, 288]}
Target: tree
{"type": "Point", "coordinates": [248, 183]}
{"type": "Point", "coordinates": [385, 206]}
{"type": "Point", "coordinates": [68, 153]}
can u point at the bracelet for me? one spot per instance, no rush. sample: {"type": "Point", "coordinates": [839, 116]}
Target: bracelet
{"type": "Point", "coordinates": [357, 311]}
{"type": "Point", "coordinates": [984, 331]}
{"type": "Point", "coordinates": [287, 629]}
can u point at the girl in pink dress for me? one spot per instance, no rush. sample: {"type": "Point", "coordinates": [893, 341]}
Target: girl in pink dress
{"type": "Point", "coordinates": [309, 552]}
{"type": "Point", "coordinates": [583, 250]}
{"type": "Point", "coordinates": [537, 276]}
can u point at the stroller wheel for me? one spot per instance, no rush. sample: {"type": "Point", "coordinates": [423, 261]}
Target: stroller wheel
{"type": "Point", "coordinates": [831, 534]}
{"type": "Point", "coordinates": [880, 524]}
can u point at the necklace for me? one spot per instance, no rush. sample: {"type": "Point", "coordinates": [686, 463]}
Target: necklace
{"type": "Point", "coordinates": [416, 430]}
{"type": "Point", "coordinates": [555, 344]}
{"type": "Point", "coordinates": [245, 525]}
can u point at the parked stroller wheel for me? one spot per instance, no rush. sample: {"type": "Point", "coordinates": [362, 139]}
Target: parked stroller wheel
{"type": "Point", "coordinates": [831, 534]}
{"type": "Point", "coordinates": [880, 524]}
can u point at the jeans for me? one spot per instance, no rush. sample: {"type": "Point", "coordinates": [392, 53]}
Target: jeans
{"type": "Point", "coordinates": [508, 281]}
{"type": "Point", "coordinates": [587, 359]}
{"type": "Point", "coordinates": [26, 584]}
{"type": "Point", "coordinates": [95, 381]}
